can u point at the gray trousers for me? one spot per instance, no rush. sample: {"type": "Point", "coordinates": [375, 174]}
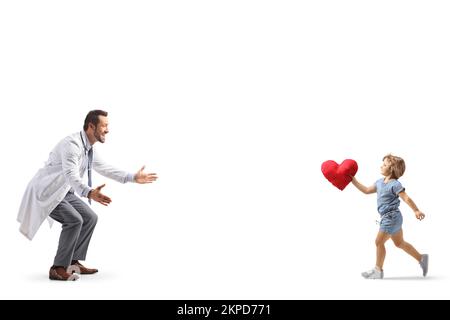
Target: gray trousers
{"type": "Point", "coordinates": [78, 223]}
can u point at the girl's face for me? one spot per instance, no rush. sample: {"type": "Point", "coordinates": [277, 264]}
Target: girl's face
{"type": "Point", "coordinates": [385, 168]}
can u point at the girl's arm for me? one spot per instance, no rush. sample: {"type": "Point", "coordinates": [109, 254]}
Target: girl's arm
{"type": "Point", "coordinates": [363, 188]}
{"type": "Point", "coordinates": [419, 214]}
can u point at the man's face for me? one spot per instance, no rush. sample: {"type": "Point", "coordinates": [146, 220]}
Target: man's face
{"type": "Point", "coordinates": [101, 129]}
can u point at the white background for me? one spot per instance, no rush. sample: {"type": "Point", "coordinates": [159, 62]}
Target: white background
{"type": "Point", "coordinates": [235, 104]}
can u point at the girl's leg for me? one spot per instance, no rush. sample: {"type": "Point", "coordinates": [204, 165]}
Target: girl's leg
{"type": "Point", "coordinates": [381, 250]}
{"type": "Point", "coordinates": [402, 244]}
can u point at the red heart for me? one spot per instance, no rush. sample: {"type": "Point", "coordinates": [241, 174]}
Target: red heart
{"type": "Point", "coordinates": [339, 174]}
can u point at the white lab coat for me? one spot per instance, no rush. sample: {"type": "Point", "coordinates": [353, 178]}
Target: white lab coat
{"type": "Point", "coordinates": [64, 169]}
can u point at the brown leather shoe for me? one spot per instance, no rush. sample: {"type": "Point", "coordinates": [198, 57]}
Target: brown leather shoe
{"type": "Point", "coordinates": [77, 267]}
{"type": "Point", "coordinates": [59, 273]}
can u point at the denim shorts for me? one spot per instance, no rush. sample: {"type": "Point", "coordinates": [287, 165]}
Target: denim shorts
{"type": "Point", "coordinates": [391, 222]}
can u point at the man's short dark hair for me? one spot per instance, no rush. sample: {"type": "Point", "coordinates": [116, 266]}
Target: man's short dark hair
{"type": "Point", "coordinates": [92, 117]}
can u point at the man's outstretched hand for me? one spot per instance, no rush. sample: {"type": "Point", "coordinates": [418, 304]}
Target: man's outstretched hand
{"type": "Point", "coordinates": [142, 177]}
{"type": "Point", "coordinates": [96, 195]}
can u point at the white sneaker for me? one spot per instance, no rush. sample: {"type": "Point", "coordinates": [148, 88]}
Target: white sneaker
{"type": "Point", "coordinates": [373, 274]}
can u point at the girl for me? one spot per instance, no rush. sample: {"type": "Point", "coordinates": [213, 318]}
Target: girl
{"type": "Point", "coordinates": [388, 190]}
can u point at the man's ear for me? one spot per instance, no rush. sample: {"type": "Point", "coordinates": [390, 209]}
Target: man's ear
{"type": "Point", "coordinates": [91, 125]}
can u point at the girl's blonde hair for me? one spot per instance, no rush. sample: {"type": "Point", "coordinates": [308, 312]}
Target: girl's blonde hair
{"type": "Point", "coordinates": [396, 165]}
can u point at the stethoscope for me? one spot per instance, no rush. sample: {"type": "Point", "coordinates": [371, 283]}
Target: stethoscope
{"type": "Point", "coordinates": [84, 144]}
{"type": "Point", "coordinates": [86, 152]}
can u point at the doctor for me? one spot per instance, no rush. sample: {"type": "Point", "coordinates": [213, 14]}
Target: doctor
{"type": "Point", "coordinates": [51, 193]}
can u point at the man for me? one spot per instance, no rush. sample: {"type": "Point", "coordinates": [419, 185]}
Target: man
{"type": "Point", "coordinates": [51, 193]}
